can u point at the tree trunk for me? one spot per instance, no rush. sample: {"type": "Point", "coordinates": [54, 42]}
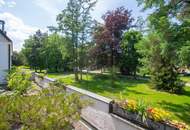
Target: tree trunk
{"type": "Point", "coordinates": [80, 74]}
{"type": "Point", "coordinates": [112, 67]}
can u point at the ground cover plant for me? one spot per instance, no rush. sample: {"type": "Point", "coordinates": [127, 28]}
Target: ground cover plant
{"type": "Point", "coordinates": [19, 80]}
{"type": "Point", "coordinates": [49, 108]}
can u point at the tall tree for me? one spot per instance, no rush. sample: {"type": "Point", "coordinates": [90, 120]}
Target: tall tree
{"type": "Point", "coordinates": [184, 55]}
{"type": "Point", "coordinates": [18, 58]}
{"type": "Point", "coordinates": [162, 70]}
{"type": "Point", "coordinates": [175, 8]}
{"type": "Point", "coordinates": [73, 22]}
{"type": "Point", "coordinates": [130, 57]}
{"type": "Point", "coordinates": [56, 52]}
{"type": "Point", "coordinates": [109, 36]}
{"type": "Point", "coordinates": [166, 22]}
{"type": "Point", "coordinates": [32, 50]}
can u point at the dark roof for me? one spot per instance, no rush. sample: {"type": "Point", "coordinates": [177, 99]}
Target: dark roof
{"type": "Point", "coordinates": [6, 37]}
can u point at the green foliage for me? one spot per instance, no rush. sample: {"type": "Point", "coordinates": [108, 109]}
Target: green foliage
{"type": "Point", "coordinates": [33, 49]}
{"type": "Point", "coordinates": [175, 8]}
{"type": "Point", "coordinates": [19, 80]}
{"type": "Point", "coordinates": [56, 53]}
{"type": "Point", "coordinates": [184, 54]}
{"type": "Point", "coordinates": [75, 21]}
{"type": "Point", "coordinates": [169, 37]}
{"type": "Point", "coordinates": [130, 57]}
{"type": "Point", "coordinates": [52, 52]}
{"type": "Point", "coordinates": [51, 109]}
{"type": "Point", "coordinates": [18, 59]}
{"type": "Point", "coordinates": [163, 73]}
{"type": "Point", "coordinates": [135, 89]}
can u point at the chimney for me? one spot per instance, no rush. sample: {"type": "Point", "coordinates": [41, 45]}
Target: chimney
{"type": "Point", "coordinates": [2, 25]}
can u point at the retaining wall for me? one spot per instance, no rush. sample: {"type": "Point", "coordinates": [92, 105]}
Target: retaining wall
{"type": "Point", "coordinates": [97, 114]}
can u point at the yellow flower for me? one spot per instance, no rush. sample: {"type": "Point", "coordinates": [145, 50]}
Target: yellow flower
{"type": "Point", "coordinates": [158, 114]}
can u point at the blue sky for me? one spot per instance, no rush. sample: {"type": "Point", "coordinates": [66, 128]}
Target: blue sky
{"type": "Point", "coordinates": [24, 17]}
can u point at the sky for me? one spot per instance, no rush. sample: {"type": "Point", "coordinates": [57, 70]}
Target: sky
{"type": "Point", "coordinates": [24, 17]}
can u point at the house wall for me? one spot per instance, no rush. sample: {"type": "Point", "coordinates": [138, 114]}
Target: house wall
{"type": "Point", "coordinates": [4, 58]}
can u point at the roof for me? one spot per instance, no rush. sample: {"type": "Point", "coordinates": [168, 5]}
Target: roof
{"type": "Point", "coordinates": [6, 37]}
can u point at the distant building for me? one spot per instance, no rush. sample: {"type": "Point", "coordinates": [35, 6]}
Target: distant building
{"type": "Point", "coordinates": [6, 49]}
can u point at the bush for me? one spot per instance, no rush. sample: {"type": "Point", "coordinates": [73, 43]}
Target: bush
{"type": "Point", "coordinates": [19, 80]}
{"type": "Point", "coordinates": [167, 79]}
{"type": "Point", "coordinates": [52, 109]}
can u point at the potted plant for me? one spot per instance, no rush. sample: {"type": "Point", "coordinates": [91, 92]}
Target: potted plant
{"type": "Point", "coordinates": [156, 118]}
{"type": "Point", "coordinates": [128, 110]}
{"type": "Point", "coordinates": [148, 117]}
{"type": "Point", "coordinates": [176, 125]}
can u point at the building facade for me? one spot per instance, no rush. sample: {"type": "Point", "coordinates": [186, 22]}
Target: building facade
{"type": "Point", "coordinates": [6, 49]}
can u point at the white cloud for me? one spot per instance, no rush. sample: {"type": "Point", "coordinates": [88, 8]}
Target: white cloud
{"type": "Point", "coordinates": [52, 7]}
{"type": "Point", "coordinates": [11, 4]}
{"type": "Point", "coordinates": [16, 29]}
{"type": "Point", "coordinates": [2, 3]}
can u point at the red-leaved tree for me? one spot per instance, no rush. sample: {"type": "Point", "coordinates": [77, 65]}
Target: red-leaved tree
{"type": "Point", "coordinates": [109, 35]}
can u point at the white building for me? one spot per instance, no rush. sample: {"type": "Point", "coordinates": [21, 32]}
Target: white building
{"type": "Point", "coordinates": [6, 48]}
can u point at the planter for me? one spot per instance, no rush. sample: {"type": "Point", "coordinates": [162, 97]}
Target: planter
{"type": "Point", "coordinates": [133, 117]}
{"type": "Point", "coordinates": [153, 125]}
{"type": "Point", "coordinates": [170, 127]}
{"type": "Point", "coordinates": [137, 119]}
{"type": "Point", "coordinates": [117, 110]}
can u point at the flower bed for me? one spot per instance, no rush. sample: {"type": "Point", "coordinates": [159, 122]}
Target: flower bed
{"type": "Point", "coordinates": [151, 118]}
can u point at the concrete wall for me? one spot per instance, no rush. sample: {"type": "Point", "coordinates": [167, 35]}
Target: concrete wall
{"type": "Point", "coordinates": [96, 114]}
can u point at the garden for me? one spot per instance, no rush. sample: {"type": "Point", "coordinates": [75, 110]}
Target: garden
{"type": "Point", "coordinates": [132, 89]}
{"type": "Point", "coordinates": [141, 63]}
{"type": "Point", "coordinates": [26, 106]}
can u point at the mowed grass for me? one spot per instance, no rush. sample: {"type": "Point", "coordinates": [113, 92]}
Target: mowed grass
{"type": "Point", "coordinates": [185, 78]}
{"type": "Point", "coordinates": [125, 88]}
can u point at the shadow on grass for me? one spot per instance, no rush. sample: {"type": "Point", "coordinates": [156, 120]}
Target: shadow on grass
{"type": "Point", "coordinates": [186, 93]}
{"type": "Point", "coordinates": [99, 83]}
{"type": "Point", "coordinates": [182, 111]}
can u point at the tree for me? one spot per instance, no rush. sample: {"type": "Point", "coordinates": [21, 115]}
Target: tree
{"type": "Point", "coordinates": [116, 22]}
{"type": "Point", "coordinates": [18, 58]}
{"type": "Point", "coordinates": [56, 52]}
{"type": "Point", "coordinates": [73, 21]}
{"type": "Point", "coordinates": [175, 8]}
{"type": "Point", "coordinates": [162, 70]}
{"type": "Point", "coordinates": [33, 48]}
{"type": "Point", "coordinates": [129, 57]}
{"type": "Point", "coordinates": [108, 37]}
{"type": "Point", "coordinates": [184, 55]}
{"type": "Point", "coordinates": [100, 51]}
{"type": "Point", "coordinates": [169, 31]}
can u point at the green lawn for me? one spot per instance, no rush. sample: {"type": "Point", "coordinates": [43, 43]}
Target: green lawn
{"type": "Point", "coordinates": [185, 78]}
{"type": "Point", "coordinates": [179, 105]}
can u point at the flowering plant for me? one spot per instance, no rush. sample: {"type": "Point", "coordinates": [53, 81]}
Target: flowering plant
{"type": "Point", "coordinates": [129, 105]}
{"type": "Point", "coordinates": [158, 114]}
{"type": "Point", "coordinates": [179, 125]}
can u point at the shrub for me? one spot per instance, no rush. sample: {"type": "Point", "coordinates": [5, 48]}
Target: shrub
{"type": "Point", "coordinates": [19, 80]}
{"type": "Point", "coordinates": [167, 79]}
{"type": "Point", "coordinates": [52, 109]}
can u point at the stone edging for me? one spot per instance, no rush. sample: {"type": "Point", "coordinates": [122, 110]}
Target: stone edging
{"type": "Point", "coordinates": [102, 105]}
